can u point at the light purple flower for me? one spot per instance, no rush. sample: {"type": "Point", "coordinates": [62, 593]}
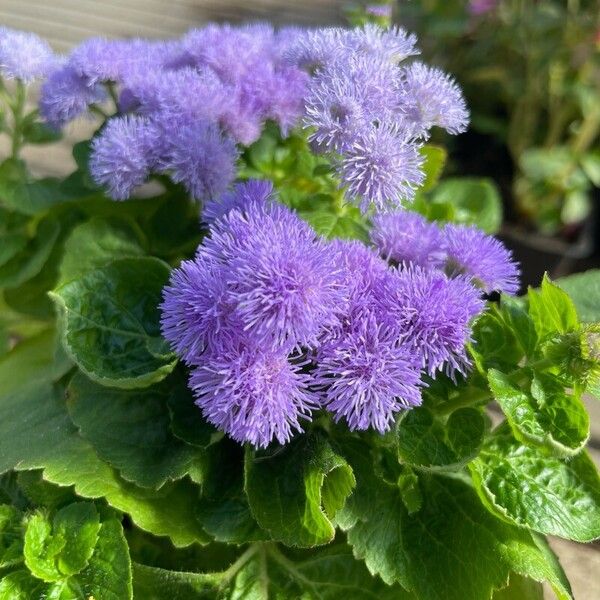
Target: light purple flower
{"type": "Point", "coordinates": [24, 55]}
{"type": "Point", "coordinates": [65, 96]}
{"type": "Point", "coordinates": [432, 315]}
{"type": "Point", "coordinates": [124, 155]}
{"type": "Point", "coordinates": [407, 237]}
{"type": "Point", "coordinates": [393, 44]}
{"type": "Point", "coordinates": [198, 155]}
{"type": "Point", "coordinates": [381, 168]}
{"type": "Point", "coordinates": [431, 97]}
{"type": "Point", "coordinates": [366, 377]}
{"type": "Point", "coordinates": [242, 195]}
{"type": "Point", "coordinates": [482, 257]}
{"type": "Point", "coordinates": [254, 394]}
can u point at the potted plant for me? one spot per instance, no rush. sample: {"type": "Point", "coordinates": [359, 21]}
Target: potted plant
{"type": "Point", "coordinates": [267, 375]}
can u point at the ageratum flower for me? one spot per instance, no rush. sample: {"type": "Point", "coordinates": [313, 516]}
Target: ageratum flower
{"type": "Point", "coordinates": [24, 55]}
{"type": "Point", "coordinates": [367, 376]}
{"type": "Point", "coordinates": [200, 156]}
{"type": "Point", "coordinates": [393, 44]}
{"type": "Point", "coordinates": [66, 95]}
{"type": "Point", "coordinates": [481, 257]}
{"type": "Point", "coordinates": [432, 316]}
{"type": "Point", "coordinates": [430, 97]}
{"type": "Point", "coordinates": [242, 195]}
{"type": "Point", "coordinates": [283, 280]}
{"type": "Point", "coordinates": [381, 168]}
{"type": "Point", "coordinates": [407, 237]}
{"type": "Point", "coordinates": [124, 155]}
{"type": "Point", "coordinates": [254, 394]}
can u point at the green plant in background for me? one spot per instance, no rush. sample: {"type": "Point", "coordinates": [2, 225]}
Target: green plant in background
{"type": "Point", "coordinates": [114, 484]}
{"type": "Point", "coordinates": [532, 73]}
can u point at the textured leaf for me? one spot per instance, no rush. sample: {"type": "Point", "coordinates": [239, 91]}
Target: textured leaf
{"type": "Point", "coordinates": [53, 444]}
{"type": "Point", "coordinates": [451, 533]}
{"type": "Point", "coordinates": [111, 322]}
{"type": "Point", "coordinates": [263, 572]}
{"type": "Point", "coordinates": [129, 429]}
{"type": "Point", "coordinates": [427, 442]}
{"type": "Point", "coordinates": [96, 243]}
{"type": "Point", "coordinates": [584, 290]}
{"type": "Point", "coordinates": [330, 224]}
{"type": "Point", "coordinates": [223, 507]}
{"type": "Point", "coordinates": [520, 323]}
{"type": "Point", "coordinates": [11, 536]}
{"type": "Point", "coordinates": [538, 491]}
{"type": "Point", "coordinates": [20, 585]}
{"type": "Point", "coordinates": [545, 415]}
{"type": "Point", "coordinates": [520, 588]}
{"type": "Point", "coordinates": [475, 201]}
{"type": "Point", "coordinates": [29, 262]}
{"type": "Point", "coordinates": [551, 309]}
{"type": "Point", "coordinates": [55, 550]}
{"type": "Point", "coordinates": [295, 492]}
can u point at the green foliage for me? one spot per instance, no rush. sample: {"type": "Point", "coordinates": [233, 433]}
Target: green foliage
{"type": "Point", "coordinates": [114, 337]}
{"type": "Point", "coordinates": [584, 290]}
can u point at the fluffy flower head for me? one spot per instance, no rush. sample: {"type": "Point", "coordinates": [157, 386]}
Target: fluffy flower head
{"type": "Point", "coordinates": [24, 55]}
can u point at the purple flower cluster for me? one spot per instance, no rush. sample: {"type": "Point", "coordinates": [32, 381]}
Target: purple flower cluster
{"type": "Point", "coordinates": [372, 113]}
{"type": "Point", "coordinates": [275, 322]}
{"type": "Point", "coordinates": [196, 98]}
{"type": "Point", "coordinates": [460, 250]}
{"type": "Point", "coordinates": [24, 55]}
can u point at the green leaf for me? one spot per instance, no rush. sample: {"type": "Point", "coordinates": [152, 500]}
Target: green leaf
{"type": "Point", "coordinates": [27, 263]}
{"type": "Point", "coordinates": [428, 442]}
{"type": "Point", "coordinates": [451, 533]}
{"type": "Point", "coordinates": [539, 491]}
{"type": "Point", "coordinates": [97, 242]}
{"type": "Point", "coordinates": [54, 551]}
{"type": "Point", "coordinates": [546, 415]}
{"type": "Point", "coordinates": [223, 507]}
{"type": "Point", "coordinates": [129, 429]}
{"type": "Point", "coordinates": [53, 444]}
{"type": "Point", "coordinates": [35, 359]}
{"type": "Point", "coordinates": [584, 290]}
{"type": "Point", "coordinates": [520, 323]}
{"type": "Point", "coordinates": [11, 536]}
{"type": "Point", "coordinates": [551, 309]}
{"type": "Point", "coordinates": [37, 132]}
{"type": "Point", "coordinates": [295, 492]}
{"type": "Point", "coordinates": [20, 585]}
{"type": "Point", "coordinates": [11, 244]}
{"type": "Point", "coordinates": [348, 224]}
{"type": "Point", "coordinates": [520, 588]}
{"type": "Point", "coordinates": [111, 322]}
{"type": "Point", "coordinates": [42, 493]}
{"type": "Point", "coordinates": [264, 572]}
{"type": "Point", "coordinates": [475, 201]}
{"type": "Point", "coordinates": [435, 159]}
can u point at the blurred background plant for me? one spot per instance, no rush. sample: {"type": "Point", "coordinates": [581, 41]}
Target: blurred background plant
{"type": "Point", "coordinates": [531, 72]}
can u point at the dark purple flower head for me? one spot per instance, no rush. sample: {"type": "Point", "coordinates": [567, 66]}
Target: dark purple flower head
{"type": "Point", "coordinates": [198, 155]}
{"type": "Point", "coordinates": [381, 168]}
{"type": "Point", "coordinates": [407, 237]}
{"type": "Point", "coordinates": [24, 55]}
{"type": "Point", "coordinates": [240, 197]}
{"type": "Point", "coordinates": [432, 315]}
{"type": "Point", "coordinates": [124, 154]}
{"type": "Point", "coordinates": [482, 257]}
{"type": "Point", "coordinates": [431, 97]}
{"type": "Point", "coordinates": [254, 394]}
{"type": "Point", "coordinates": [197, 313]}
{"type": "Point", "coordinates": [65, 96]}
{"type": "Point", "coordinates": [367, 376]}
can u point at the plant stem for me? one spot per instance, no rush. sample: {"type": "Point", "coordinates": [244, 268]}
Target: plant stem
{"type": "Point", "coordinates": [17, 107]}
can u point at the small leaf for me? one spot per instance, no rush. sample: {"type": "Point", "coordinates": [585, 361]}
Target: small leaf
{"type": "Point", "coordinates": [27, 263]}
{"type": "Point", "coordinates": [551, 309]}
{"type": "Point", "coordinates": [435, 159]}
{"type": "Point", "coordinates": [11, 536]}
{"type": "Point", "coordinates": [546, 415]}
{"type": "Point", "coordinates": [111, 323]}
{"type": "Point", "coordinates": [37, 132]}
{"type": "Point", "coordinates": [348, 225]}
{"type": "Point", "coordinates": [129, 429]}
{"type": "Point", "coordinates": [427, 442]}
{"type": "Point", "coordinates": [584, 290]}
{"type": "Point", "coordinates": [538, 491]}
{"type": "Point", "coordinates": [296, 491]}
{"type": "Point", "coordinates": [475, 201]}
{"type": "Point", "coordinates": [20, 585]}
